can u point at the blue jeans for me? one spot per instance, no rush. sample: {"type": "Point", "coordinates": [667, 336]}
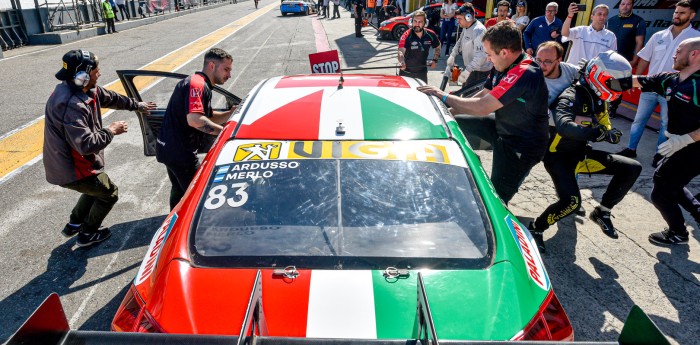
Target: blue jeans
{"type": "Point", "coordinates": [446, 34]}
{"type": "Point", "coordinates": [647, 103]}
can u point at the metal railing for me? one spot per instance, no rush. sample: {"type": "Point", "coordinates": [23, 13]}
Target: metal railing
{"type": "Point", "coordinates": [12, 34]}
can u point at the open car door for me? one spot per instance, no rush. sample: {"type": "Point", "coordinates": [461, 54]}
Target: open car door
{"type": "Point", "coordinates": [155, 86]}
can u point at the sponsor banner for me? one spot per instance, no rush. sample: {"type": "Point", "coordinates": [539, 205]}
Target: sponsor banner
{"type": "Point", "coordinates": [656, 13]}
{"type": "Point", "coordinates": [531, 255]}
{"type": "Point", "coordinates": [435, 151]}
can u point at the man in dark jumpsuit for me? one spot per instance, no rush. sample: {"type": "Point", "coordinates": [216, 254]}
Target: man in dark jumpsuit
{"type": "Point", "coordinates": [516, 91]}
{"type": "Point", "coordinates": [681, 162]}
{"type": "Point", "coordinates": [358, 7]}
{"type": "Point", "coordinates": [580, 115]}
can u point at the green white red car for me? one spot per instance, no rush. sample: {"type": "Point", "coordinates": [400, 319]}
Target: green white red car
{"type": "Point", "coordinates": [331, 201]}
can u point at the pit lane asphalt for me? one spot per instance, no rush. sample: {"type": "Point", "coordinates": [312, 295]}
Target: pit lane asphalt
{"type": "Point", "coordinates": [596, 278]}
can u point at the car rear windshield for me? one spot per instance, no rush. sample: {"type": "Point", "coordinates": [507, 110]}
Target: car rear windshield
{"type": "Point", "coordinates": [341, 213]}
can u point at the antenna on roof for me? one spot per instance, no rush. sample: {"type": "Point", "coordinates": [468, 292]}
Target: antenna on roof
{"type": "Point", "coordinates": [341, 80]}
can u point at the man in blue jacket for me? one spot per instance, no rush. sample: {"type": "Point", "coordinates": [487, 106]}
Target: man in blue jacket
{"type": "Point", "coordinates": [542, 29]}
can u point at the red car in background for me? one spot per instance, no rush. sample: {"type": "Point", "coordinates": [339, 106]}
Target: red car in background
{"type": "Point", "coordinates": [394, 27]}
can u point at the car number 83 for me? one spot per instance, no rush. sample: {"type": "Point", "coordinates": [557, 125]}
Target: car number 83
{"type": "Point", "coordinates": [217, 196]}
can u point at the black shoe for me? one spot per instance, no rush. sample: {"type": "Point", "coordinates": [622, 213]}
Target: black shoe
{"type": "Point", "coordinates": [360, 35]}
{"type": "Point", "coordinates": [581, 212]}
{"type": "Point", "coordinates": [629, 153]}
{"type": "Point", "coordinates": [538, 236]}
{"type": "Point", "coordinates": [87, 238]}
{"type": "Point", "coordinates": [70, 231]}
{"type": "Point", "coordinates": [656, 160]}
{"type": "Point", "coordinates": [668, 237]}
{"type": "Point", "coordinates": [603, 219]}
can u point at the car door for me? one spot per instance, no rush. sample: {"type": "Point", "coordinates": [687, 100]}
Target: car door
{"type": "Point", "coordinates": [155, 86]}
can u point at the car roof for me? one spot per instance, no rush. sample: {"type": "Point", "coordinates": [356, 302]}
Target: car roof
{"type": "Point", "coordinates": [367, 107]}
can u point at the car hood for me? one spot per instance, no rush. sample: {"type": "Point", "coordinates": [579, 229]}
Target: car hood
{"type": "Point", "coordinates": [493, 303]}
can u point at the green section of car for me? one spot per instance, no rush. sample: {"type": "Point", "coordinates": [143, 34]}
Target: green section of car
{"type": "Point", "coordinates": [394, 121]}
{"type": "Point", "coordinates": [395, 305]}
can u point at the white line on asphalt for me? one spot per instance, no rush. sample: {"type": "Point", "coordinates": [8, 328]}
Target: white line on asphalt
{"type": "Point", "coordinates": [94, 287]}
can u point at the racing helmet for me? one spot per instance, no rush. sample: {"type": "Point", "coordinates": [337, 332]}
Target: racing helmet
{"type": "Point", "coordinates": [608, 75]}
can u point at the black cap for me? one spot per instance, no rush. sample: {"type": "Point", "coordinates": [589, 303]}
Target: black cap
{"type": "Point", "coordinates": [520, 3]}
{"type": "Point", "coordinates": [464, 9]}
{"type": "Point", "coordinates": [74, 61]}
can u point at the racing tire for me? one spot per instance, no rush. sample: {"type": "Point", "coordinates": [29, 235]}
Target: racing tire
{"type": "Point", "coordinates": [398, 31]}
{"type": "Point", "coordinates": [284, 14]}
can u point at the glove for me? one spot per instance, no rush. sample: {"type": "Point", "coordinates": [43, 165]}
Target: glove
{"type": "Point", "coordinates": [451, 61]}
{"type": "Point", "coordinates": [463, 76]}
{"type": "Point", "coordinates": [612, 136]}
{"type": "Point", "coordinates": [674, 143]}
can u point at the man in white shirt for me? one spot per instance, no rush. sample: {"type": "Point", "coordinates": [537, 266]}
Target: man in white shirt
{"type": "Point", "coordinates": [658, 54]}
{"type": "Point", "coordinates": [588, 41]}
{"type": "Point", "coordinates": [557, 74]}
{"type": "Point", "coordinates": [471, 46]}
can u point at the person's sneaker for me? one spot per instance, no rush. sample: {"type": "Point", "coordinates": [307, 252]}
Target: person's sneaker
{"type": "Point", "coordinates": [70, 230]}
{"type": "Point", "coordinates": [87, 238]}
{"type": "Point", "coordinates": [668, 236]}
{"type": "Point", "coordinates": [581, 212]}
{"type": "Point", "coordinates": [602, 218]}
{"type": "Point", "coordinates": [655, 161]}
{"type": "Point", "coordinates": [538, 236]}
{"type": "Point", "coordinates": [629, 153]}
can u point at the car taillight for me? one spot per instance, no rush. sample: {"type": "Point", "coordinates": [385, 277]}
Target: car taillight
{"type": "Point", "coordinates": [550, 323]}
{"type": "Point", "coordinates": [133, 317]}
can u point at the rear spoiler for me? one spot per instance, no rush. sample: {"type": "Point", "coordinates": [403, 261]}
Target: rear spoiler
{"type": "Point", "coordinates": [48, 325]}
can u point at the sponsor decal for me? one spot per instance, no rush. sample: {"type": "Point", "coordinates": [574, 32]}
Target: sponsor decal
{"type": "Point", "coordinates": [651, 4]}
{"type": "Point", "coordinates": [628, 26]}
{"type": "Point", "coordinates": [528, 249]}
{"type": "Point", "coordinates": [221, 173]}
{"type": "Point", "coordinates": [149, 262]}
{"type": "Point", "coordinates": [195, 93]}
{"type": "Point", "coordinates": [258, 151]}
{"type": "Point", "coordinates": [510, 78]}
{"type": "Point", "coordinates": [682, 97]}
{"type": "Point", "coordinates": [668, 91]}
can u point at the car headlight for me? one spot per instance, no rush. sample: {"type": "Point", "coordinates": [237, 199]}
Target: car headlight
{"type": "Point", "coordinates": [383, 24]}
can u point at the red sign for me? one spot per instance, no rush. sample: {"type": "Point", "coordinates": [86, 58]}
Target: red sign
{"type": "Point", "coordinates": [325, 62]}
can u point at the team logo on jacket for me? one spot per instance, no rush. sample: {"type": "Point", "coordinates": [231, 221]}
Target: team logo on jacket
{"type": "Point", "coordinates": [195, 93]}
{"type": "Point", "coordinates": [510, 78]}
{"type": "Point", "coordinates": [530, 253]}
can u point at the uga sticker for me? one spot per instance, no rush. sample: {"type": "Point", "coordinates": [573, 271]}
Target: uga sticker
{"type": "Point", "coordinates": [153, 252]}
{"type": "Point", "coordinates": [528, 249]}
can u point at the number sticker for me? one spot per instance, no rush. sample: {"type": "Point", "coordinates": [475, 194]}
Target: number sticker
{"type": "Point", "coordinates": [217, 196]}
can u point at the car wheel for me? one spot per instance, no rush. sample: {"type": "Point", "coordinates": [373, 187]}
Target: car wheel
{"type": "Point", "coordinates": [284, 14]}
{"type": "Point", "coordinates": [398, 31]}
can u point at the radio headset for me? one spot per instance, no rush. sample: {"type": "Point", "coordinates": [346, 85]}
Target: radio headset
{"type": "Point", "coordinates": [82, 78]}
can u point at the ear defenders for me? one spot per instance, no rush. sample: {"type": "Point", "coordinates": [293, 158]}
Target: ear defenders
{"type": "Point", "coordinates": [495, 12]}
{"type": "Point", "coordinates": [82, 77]}
{"type": "Point", "coordinates": [410, 22]}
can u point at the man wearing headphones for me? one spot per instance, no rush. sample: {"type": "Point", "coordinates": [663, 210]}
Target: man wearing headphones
{"type": "Point", "coordinates": [414, 46]}
{"type": "Point", "coordinates": [470, 45]}
{"type": "Point", "coordinates": [502, 12]}
{"type": "Point", "coordinates": [74, 143]}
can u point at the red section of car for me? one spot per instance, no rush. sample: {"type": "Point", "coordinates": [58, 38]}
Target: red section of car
{"type": "Point", "coordinates": [286, 303]}
{"type": "Point", "coordinates": [330, 80]}
{"type": "Point", "coordinates": [132, 315]}
{"type": "Point", "coordinates": [302, 115]}
{"type": "Point", "coordinates": [550, 322]}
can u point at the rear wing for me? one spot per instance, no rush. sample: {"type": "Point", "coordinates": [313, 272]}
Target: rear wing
{"type": "Point", "coordinates": [48, 325]}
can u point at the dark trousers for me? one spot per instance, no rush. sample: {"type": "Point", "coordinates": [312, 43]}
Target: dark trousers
{"type": "Point", "coordinates": [124, 12]}
{"type": "Point", "coordinates": [180, 178]}
{"type": "Point", "coordinates": [358, 25]}
{"type": "Point", "coordinates": [446, 29]}
{"type": "Point", "coordinates": [98, 196]}
{"type": "Point", "coordinates": [418, 75]}
{"type": "Point", "coordinates": [110, 25]}
{"type": "Point", "coordinates": [612, 107]}
{"type": "Point", "coordinates": [669, 193]}
{"type": "Point", "coordinates": [336, 13]}
{"type": "Point", "coordinates": [476, 76]}
{"type": "Point", "coordinates": [563, 168]}
{"type": "Point", "coordinates": [509, 168]}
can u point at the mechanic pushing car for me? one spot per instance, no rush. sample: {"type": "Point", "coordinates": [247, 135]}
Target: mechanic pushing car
{"type": "Point", "coordinates": [602, 80]}
{"type": "Point", "coordinates": [471, 46]}
{"type": "Point", "coordinates": [189, 113]}
{"type": "Point", "coordinates": [74, 143]}
{"type": "Point", "coordinates": [517, 93]}
{"type": "Point", "coordinates": [414, 47]}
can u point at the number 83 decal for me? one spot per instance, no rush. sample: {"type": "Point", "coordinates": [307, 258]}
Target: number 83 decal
{"type": "Point", "coordinates": [217, 196]}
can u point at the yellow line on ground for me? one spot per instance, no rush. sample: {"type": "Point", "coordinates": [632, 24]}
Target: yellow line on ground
{"type": "Point", "coordinates": [26, 144]}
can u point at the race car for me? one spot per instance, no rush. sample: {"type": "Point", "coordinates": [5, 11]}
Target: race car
{"type": "Point", "coordinates": [334, 207]}
{"type": "Point", "coordinates": [302, 7]}
{"type": "Point", "coordinates": [394, 27]}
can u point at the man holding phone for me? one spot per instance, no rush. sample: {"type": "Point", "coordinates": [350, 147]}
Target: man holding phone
{"type": "Point", "coordinates": [588, 41]}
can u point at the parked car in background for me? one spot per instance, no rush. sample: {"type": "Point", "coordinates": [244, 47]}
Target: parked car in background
{"type": "Point", "coordinates": [394, 27]}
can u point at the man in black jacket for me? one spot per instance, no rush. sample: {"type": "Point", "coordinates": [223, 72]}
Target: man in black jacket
{"type": "Point", "coordinates": [74, 143]}
{"type": "Point", "coordinates": [580, 115]}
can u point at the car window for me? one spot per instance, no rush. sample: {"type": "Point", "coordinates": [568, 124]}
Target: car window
{"type": "Point", "coordinates": [322, 213]}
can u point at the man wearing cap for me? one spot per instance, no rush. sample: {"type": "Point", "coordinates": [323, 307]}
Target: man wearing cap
{"type": "Point", "coordinates": [542, 29]}
{"type": "Point", "coordinates": [471, 46]}
{"type": "Point", "coordinates": [74, 143]}
{"type": "Point", "coordinates": [516, 92]}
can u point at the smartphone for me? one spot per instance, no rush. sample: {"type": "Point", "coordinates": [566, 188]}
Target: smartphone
{"type": "Point", "coordinates": [581, 7]}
